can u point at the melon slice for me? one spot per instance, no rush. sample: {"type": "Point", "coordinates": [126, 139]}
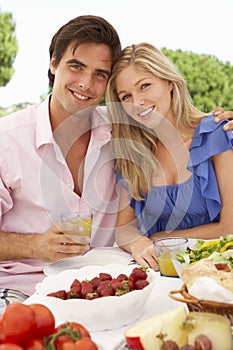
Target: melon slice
{"type": "Point", "coordinates": [144, 335]}
{"type": "Point", "coordinates": [216, 327]}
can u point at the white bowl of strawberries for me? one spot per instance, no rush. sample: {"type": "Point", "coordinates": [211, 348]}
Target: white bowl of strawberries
{"type": "Point", "coordinates": [100, 297]}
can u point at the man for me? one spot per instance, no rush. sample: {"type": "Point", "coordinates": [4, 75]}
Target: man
{"type": "Point", "coordinates": [55, 157]}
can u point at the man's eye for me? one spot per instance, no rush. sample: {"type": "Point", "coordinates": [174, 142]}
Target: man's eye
{"type": "Point", "coordinates": [76, 66]}
{"type": "Point", "coordinates": [102, 76]}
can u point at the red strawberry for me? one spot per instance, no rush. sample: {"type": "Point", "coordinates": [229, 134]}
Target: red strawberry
{"type": "Point", "coordinates": [75, 283]}
{"type": "Point", "coordinates": [61, 294]}
{"type": "Point", "coordinates": [87, 287]}
{"type": "Point", "coordinates": [115, 284]}
{"type": "Point", "coordinates": [106, 292]}
{"type": "Point", "coordinates": [130, 283]}
{"type": "Point", "coordinates": [76, 289]}
{"type": "Point", "coordinates": [95, 281]}
{"type": "Point", "coordinates": [72, 295]}
{"type": "Point", "coordinates": [140, 284]}
{"type": "Point", "coordinates": [122, 277]}
{"type": "Point", "coordinates": [102, 285]}
{"type": "Point", "coordinates": [105, 276]}
{"type": "Point", "coordinates": [138, 274]}
{"type": "Point", "coordinates": [91, 296]}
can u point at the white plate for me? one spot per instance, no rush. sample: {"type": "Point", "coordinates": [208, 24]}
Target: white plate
{"type": "Point", "coordinates": [97, 256]}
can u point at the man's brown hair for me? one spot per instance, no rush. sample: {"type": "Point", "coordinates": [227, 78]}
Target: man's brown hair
{"type": "Point", "coordinates": [83, 29]}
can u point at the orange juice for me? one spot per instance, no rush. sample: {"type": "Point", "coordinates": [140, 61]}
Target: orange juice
{"type": "Point", "coordinates": [166, 266]}
{"type": "Point", "coordinates": [165, 248]}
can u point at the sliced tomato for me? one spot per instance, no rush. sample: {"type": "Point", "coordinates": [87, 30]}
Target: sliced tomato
{"type": "Point", "coordinates": [45, 320]}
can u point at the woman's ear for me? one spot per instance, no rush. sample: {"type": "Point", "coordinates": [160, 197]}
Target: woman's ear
{"type": "Point", "coordinates": [170, 85]}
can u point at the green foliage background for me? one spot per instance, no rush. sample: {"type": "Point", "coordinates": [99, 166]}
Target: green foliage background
{"type": "Point", "coordinates": [8, 47]}
{"type": "Point", "coordinates": [209, 80]}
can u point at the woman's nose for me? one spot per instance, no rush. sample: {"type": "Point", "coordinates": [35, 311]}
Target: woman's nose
{"type": "Point", "coordinates": [138, 99]}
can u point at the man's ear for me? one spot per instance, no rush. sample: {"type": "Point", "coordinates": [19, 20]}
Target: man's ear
{"type": "Point", "coordinates": [52, 64]}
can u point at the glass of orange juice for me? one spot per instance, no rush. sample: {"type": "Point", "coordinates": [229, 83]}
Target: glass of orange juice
{"type": "Point", "coordinates": [71, 224]}
{"type": "Point", "coordinates": [165, 250]}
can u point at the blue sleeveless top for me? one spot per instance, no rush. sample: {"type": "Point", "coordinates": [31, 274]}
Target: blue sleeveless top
{"type": "Point", "coordinates": [194, 202]}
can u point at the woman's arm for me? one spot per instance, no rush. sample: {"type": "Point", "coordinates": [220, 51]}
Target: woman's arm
{"type": "Point", "coordinates": [129, 238]}
{"type": "Point", "coordinates": [223, 164]}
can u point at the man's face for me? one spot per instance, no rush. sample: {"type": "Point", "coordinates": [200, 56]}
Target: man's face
{"type": "Point", "coordinates": [80, 78]}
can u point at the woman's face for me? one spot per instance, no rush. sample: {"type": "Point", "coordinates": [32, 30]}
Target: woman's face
{"type": "Point", "coordinates": [144, 96]}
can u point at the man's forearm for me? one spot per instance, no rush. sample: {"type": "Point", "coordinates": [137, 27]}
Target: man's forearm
{"type": "Point", "coordinates": [16, 246]}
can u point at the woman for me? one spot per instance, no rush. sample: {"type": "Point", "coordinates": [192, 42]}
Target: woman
{"type": "Point", "coordinates": [174, 165]}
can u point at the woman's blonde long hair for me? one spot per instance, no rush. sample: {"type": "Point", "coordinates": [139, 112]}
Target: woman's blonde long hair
{"type": "Point", "coordinates": [134, 145]}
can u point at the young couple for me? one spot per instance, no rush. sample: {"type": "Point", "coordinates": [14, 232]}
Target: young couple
{"type": "Point", "coordinates": [57, 156]}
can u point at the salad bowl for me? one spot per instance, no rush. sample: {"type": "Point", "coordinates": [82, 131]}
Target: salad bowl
{"type": "Point", "coordinates": [219, 251]}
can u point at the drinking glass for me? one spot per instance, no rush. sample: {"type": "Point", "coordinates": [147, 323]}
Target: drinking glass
{"type": "Point", "coordinates": [72, 222]}
{"type": "Point", "coordinates": [165, 251]}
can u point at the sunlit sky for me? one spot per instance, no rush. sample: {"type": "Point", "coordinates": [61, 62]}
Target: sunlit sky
{"type": "Point", "coordinates": [200, 26]}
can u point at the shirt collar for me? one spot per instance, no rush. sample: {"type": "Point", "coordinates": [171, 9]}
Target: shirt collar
{"type": "Point", "coordinates": [44, 133]}
{"type": "Point", "coordinates": [101, 128]}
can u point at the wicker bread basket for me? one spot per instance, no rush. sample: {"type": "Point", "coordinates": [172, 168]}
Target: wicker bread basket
{"type": "Point", "coordinates": [195, 304]}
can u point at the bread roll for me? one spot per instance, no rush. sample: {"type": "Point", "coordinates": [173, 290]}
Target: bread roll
{"type": "Point", "coordinates": [206, 268]}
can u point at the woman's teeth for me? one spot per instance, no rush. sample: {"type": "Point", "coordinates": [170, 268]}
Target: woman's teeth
{"type": "Point", "coordinates": [146, 112]}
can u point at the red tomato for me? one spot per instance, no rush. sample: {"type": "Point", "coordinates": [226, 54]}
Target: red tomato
{"type": "Point", "coordinates": [18, 324]}
{"type": "Point", "coordinates": [82, 344]}
{"type": "Point", "coordinates": [34, 344]}
{"type": "Point", "coordinates": [80, 330]}
{"type": "Point", "coordinates": [45, 321]}
{"type": "Point", "coordinates": [1, 340]}
{"type": "Point", "coordinates": [10, 346]}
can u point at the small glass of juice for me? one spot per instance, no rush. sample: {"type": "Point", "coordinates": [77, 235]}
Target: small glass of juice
{"type": "Point", "coordinates": [71, 224]}
{"type": "Point", "coordinates": [165, 249]}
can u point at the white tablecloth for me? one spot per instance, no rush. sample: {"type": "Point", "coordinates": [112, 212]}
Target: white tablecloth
{"type": "Point", "coordinates": [158, 302]}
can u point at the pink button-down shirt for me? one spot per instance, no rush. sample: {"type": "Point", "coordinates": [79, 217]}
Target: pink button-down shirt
{"type": "Point", "coordinates": [36, 186]}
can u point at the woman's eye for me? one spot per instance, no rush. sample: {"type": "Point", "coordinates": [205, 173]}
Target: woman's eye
{"type": "Point", "coordinates": [125, 98]}
{"type": "Point", "coordinates": [144, 86]}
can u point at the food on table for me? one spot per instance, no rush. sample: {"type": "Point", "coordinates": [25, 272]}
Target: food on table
{"type": "Point", "coordinates": [32, 327]}
{"type": "Point", "coordinates": [128, 306]}
{"type": "Point", "coordinates": [145, 335]}
{"type": "Point", "coordinates": [216, 328]}
{"type": "Point", "coordinates": [176, 329]}
{"type": "Point", "coordinates": [206, 268]}
{"type": "Point", "coordinates": [220, 251]}
{"type": "Point", "coordinates": [104, 285]}
{"type": "Point", "coordinates": [45, 320]}
{"type": "Point", "coordinates": [201, 342]}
